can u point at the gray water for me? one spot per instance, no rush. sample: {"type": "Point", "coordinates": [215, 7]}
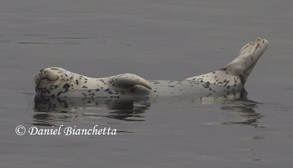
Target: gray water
{"type": "Point", "coordinates": [162, 39]}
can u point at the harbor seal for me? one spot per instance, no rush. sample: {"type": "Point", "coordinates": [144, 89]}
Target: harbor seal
{"type": "Point", "coordinates": [58, 82]}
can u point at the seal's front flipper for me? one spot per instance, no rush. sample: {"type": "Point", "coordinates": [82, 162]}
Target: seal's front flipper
{"type": "Point", "coordinates": [128, 80]}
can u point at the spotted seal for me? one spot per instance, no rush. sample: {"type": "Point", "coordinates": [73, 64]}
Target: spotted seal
{"type": "Point", "coordinates": [58, 82]}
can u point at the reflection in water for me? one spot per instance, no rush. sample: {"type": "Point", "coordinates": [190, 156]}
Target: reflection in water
{"type": "Point", "coordinates": [49, 110]}
{"type": "Point", "coordinates": [57, 109]}
{"type": "Point", "coordinates": [246, 110]}
{"type": "Point", "coordinates": [240, 105]}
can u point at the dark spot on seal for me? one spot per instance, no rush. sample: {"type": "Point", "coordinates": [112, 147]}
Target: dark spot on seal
{"type": "Point", "coordinates": [84, 87]}
{"type": "Point", "coordinates": [76, 81]}
{"type": "Point", "coordinates": [53, 87]}
{"type": "Point", "coordinates": [206, 85]}
{"type": "Point", "coordinates": [97, 90]}
{"type": "Point", "coordinates": [132, 90]}
{"type": "Point", "coordinates": [241, 79]}
{"type": "Point", "coordinates": [66, 85]}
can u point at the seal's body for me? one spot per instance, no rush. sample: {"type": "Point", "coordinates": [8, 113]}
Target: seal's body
{"type": "Point", "coordinates": [58, 82]}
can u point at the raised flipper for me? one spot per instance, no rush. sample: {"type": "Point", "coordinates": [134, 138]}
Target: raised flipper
{"type": "Point", "coordinates": [247, 59]}
{"type": "Point", "coordinates": [238, 70]}
{"type": "Point", "coordinates": [128, 80]}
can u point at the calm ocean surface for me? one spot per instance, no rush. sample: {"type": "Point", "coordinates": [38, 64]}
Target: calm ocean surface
{"type": "Point", "coordinates": [156, 39]}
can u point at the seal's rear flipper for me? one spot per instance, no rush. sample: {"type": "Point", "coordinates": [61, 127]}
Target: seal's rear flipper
{"type": "Point", "coordinates": [248, 56]}
{"type": "Point", "coordinates": [237, 71]}
{"type": "Point", "coordinates": [128, 80]}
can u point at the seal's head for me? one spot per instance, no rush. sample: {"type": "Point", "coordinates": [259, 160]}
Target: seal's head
{"type": "Point", "coordinates": [52, 80]}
